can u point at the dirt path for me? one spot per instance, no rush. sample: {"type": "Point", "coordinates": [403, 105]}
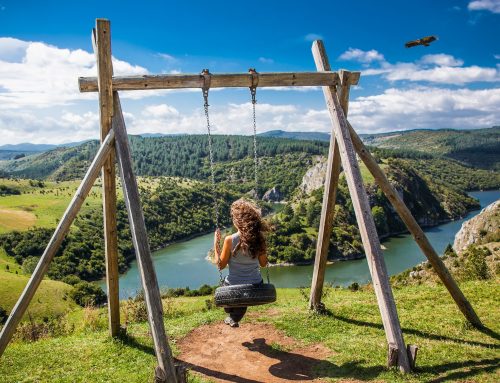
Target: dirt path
{"type": "Point", "coordinates": [254, 352]}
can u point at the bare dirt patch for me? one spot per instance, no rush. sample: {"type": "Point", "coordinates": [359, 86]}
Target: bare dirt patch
{"type": "Point", "coordinates": [252, 353]}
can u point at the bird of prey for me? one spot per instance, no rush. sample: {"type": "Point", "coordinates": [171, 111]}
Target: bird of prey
{"type": "Point", "coordinates": [425, 41]}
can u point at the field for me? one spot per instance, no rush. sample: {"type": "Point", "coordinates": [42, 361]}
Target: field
{"type": "Point", "coordinates": [39, 206]}
{"type": "Point", "coordinates": [450, 350]}
{"type": "Point", "coordinates": [50, 299]}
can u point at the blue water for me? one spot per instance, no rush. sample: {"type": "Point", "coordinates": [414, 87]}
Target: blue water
{"type": "Point", "coordinates": [183, 264]}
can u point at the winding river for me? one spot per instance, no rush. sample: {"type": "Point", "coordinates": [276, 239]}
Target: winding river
{"type": "Point", "coordinates": [183, 264]}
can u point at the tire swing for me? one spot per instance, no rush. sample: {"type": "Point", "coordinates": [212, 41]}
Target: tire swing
{"type": "Point", "coordinates": [246, 294]}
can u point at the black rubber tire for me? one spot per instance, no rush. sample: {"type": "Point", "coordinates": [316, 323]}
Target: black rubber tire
{"type": "Point", "coordinates": [245, 295]}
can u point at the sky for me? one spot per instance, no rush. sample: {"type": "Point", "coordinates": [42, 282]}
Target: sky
{"type": "Point", "coordinates": [45, 46]}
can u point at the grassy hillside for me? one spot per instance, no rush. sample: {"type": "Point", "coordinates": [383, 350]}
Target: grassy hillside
{"type": "Point", "coordinates": [449, 349]}
{"type": "Point", "coordinates": [50, 300]}
{"type": "Point", "coordinates": [479, 147]}
{"type": "Point", "coordinates": [39, 204]}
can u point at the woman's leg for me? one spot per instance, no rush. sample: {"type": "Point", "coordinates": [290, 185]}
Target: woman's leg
{"type": "Point", "coordinates": [237, 313]}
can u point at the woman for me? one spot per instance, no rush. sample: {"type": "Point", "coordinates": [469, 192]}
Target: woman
{"type": "Point", "coordinates": [244, 252]}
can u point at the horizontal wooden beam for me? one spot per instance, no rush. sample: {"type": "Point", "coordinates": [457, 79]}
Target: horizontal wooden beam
{"type": "Point", "coordinates": [225, 80]}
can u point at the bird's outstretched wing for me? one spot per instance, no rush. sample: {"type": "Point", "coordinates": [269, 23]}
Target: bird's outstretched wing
{"type": "Point", "coordinates": [412, 43]}
{"type": "Point", "coordinates": [425, 41]}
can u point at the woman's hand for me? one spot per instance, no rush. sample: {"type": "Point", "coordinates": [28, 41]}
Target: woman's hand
{"type": "Point", "coordinates": [217, 237]}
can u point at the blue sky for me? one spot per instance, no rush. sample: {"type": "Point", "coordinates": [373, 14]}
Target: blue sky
{"type": "Point", "coordinates": [45, 46]}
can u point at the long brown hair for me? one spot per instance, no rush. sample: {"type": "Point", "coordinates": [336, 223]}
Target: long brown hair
{"type": "Point", "coordinates": [248, 220]}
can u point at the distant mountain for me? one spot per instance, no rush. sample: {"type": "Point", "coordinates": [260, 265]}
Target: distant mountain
{"type": "Point", "coordinates": [18, 151]}
{"type": "Point", "coordinates": [27, 147]}
{"type": "Point", "coordinates": [311, 136]}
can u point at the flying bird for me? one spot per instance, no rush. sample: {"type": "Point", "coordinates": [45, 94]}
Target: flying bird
{"type": "Point", "coordinates": [425, 41]}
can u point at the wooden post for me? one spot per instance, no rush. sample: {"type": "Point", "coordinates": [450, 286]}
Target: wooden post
{"type": "Point", "coordinates": [414, 228]}
{"type": "Point", "coordinates": [327, 209]}
{"type": "Point", "coordinates": [329, 195]}
{"type": "Point", "coordinates": [364, 217]}
{"type": "Point", "coordinates": [101, 39]}
{"type": "Point", "coordinates": [166, 369]}
{"type": "Point", "coordinates": [56, 240]}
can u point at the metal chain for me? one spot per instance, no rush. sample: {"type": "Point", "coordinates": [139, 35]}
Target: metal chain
{"type": "Point", "coordinates": [205, 89]}
{"type": "Point", "coordinates": [253, 92]}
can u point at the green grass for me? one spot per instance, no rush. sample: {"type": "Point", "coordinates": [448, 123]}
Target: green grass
{"type": "Point", "coordinates": [49, 300]}
{"type": "Point", "coordinates": [40, 207]}
{"type": "Point", "coordinates": [449, 349]}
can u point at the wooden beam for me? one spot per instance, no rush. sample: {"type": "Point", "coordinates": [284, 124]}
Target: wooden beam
{"type": "Point", "coordinates": [225, 80]}
{"type": "Point", "coordinates": [102, 48]}
{"type": "Point", "coordinates": [166, 369]}
{"type": "Point", "coordinates": [328, 206]}
{"type": "Point", "coordinates": [365, 220]}
{"type": "Point", "coordinates": [414, 228]}
{"type": "Point", "coordinates": [55, 241]}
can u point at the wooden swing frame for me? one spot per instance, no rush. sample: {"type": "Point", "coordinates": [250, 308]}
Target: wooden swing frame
{"type": "Point", "coordinates": [344, 145]}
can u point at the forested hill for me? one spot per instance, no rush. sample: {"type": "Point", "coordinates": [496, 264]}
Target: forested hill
{"type": "Point", "coordinates": [476, 147]}
{"type": "Point", "coordinates": [479, 147]}
{"type": "Point", "coordinates": [184, 156]}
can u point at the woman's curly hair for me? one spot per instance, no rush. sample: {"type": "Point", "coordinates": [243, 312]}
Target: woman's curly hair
{"type": "Point", "coordinates": [248, 220]}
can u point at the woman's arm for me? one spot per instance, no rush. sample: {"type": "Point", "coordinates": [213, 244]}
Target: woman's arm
{"type": "Point", "coordinates": [224, 254]}
{"type": "Point", "coordinates": [263, 259]}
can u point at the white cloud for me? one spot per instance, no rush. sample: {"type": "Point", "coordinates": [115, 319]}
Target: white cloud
{"type": "Point", "coordinates": [313, 36]}
{"type": "Point", "coordinates": [425, 107]}
{"type": "Point", "coordinates": [35, 74]}
{"type": "Point", "coordinates": [161, 110]}
{"type": "Point", "coordinates": [441, 59]}
{"type": "Point", "coordinates": [485, 5]}
{"type": "Point", "coordinates": [167, 57]}
{"type": "Point", "coordinates": [436, 68]}
{"type": "Point", "coordinates": [266, 60]}
{"type": "Point", "coordinates": [25, 126]}
{"type": "Point", "coordinates": [497, 57]}
{"type": "Point", "coordinates": [354, 54]}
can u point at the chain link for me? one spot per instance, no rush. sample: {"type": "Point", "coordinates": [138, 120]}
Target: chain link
{"type": "Point", "coordinates": [253, 90]}
{"type": "Point", "coordinates": [217, 249]}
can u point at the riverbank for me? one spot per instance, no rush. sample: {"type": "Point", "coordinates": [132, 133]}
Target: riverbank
{"type": "Point", "coordinates": [183, 264]}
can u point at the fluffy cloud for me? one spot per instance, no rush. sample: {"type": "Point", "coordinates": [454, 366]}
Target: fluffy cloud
{"type": "Point", "coordinates": [441, 59]}
{"type": "Point", "coordinates": [485, 5]}
{"type": "Point", "coordinates": [437, 68]}
{"type": "Point", "coordinates": [365, 57]}
{"type": "Point", "coordinates": [20, 126]}
{"type": "Point", "coordinates": [35, 74]}
{"type": "Point", "coordinates": [426, 107]}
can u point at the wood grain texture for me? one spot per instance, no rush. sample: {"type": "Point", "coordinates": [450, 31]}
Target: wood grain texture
{"type": "Point", "coordinates": [102, 48]}
{"type": "Point", "coordinates": [364, 217]}
{"type": "Point", "coordinates": [55, 241]}
{"type": "Point", "coordinates": [327, 209]}
{"type": "Point", "coordinates": [415, 229]}
{"type": "Point", "coordinates": [141, 246]}
{"type": "Point", "coordinates": [224, 80]}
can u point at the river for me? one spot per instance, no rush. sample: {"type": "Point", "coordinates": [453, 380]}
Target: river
{"type": "Point", "coordinates": [183, 264]}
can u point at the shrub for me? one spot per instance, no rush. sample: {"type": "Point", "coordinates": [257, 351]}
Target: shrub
{"type": "Point", "coordinates": [29, 265]}
{"type": "Point", "coordinates": [88, 294]}
{"type": "Point", "coordinates": [71, 280]}
{"type": "Point", "coordinates": [135, 311]}
{"type": "Point", "coordinates": [3, 315]}
{"type": "Point", "coordinates": [475, 266]}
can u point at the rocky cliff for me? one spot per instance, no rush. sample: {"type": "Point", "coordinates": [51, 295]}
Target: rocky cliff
{"type": "Point", "coordinates": [480, 229]}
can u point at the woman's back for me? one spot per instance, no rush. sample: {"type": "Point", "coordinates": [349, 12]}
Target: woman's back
{"type": "Point", "coordinates": [243, 268]}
